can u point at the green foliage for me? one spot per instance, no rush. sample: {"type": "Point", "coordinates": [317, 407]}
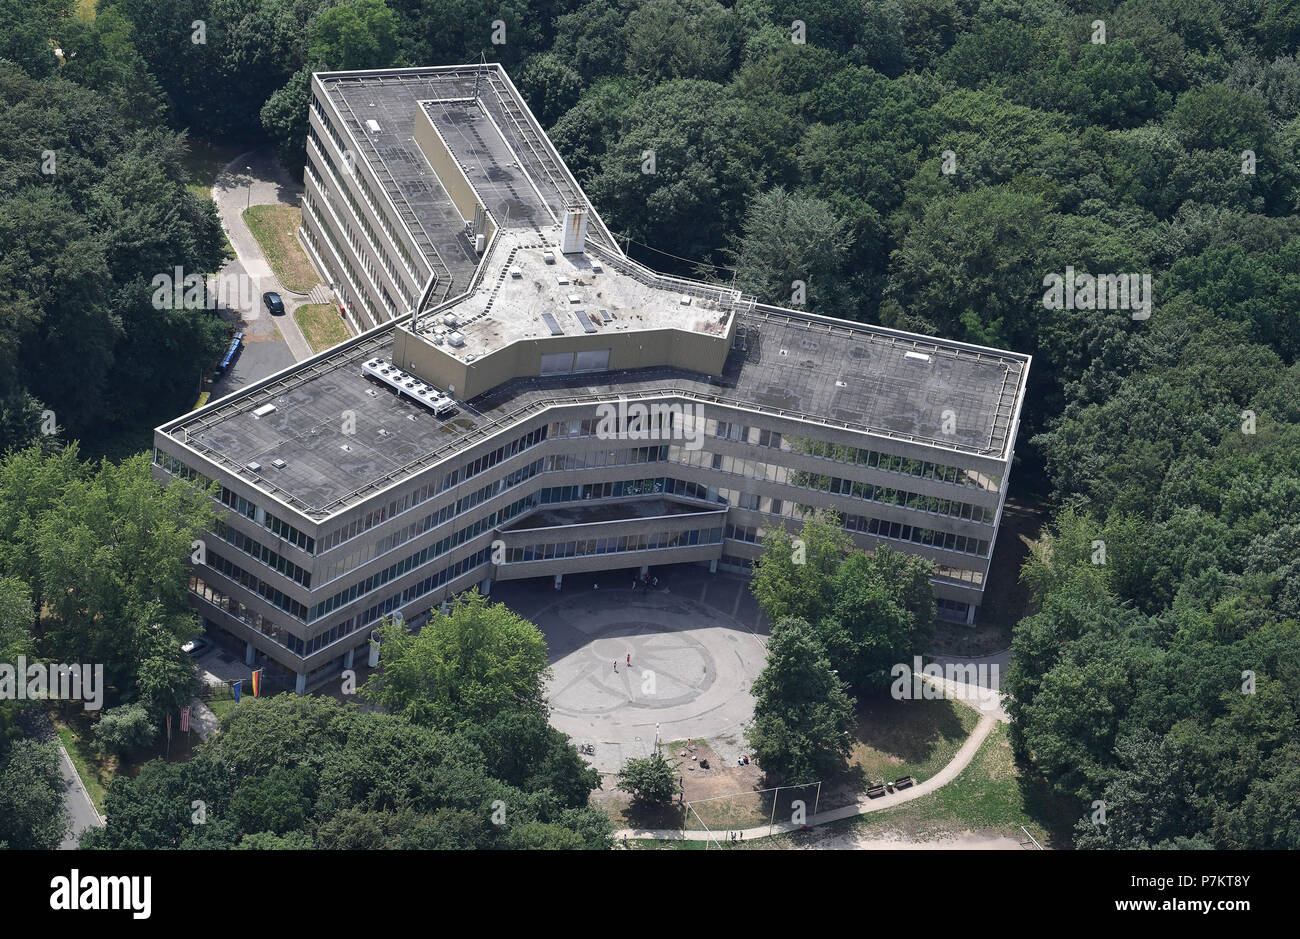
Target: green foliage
{"type": "Point", "coordinates": [123, 729]}
{"type": "Point", "coordinates": [477, 662]}
{"type": "Point", "coordinates": [357, 35]}
{"type": "Point", "coordinates": [803, 715]}
{"type": "Point", "coordinates": [105, 552]}
{"type": "Point", "coordinates": [289, 772]}
{"type": "Point", "coordinates": [651, 780]}
{"type": "Point", "coordinates": [31, 797]}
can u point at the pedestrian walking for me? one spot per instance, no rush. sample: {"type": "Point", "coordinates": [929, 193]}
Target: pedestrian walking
{"type": "Point", "coordinates": [616, 666]}
{"type": "Point", "coordinates": [629, 660]}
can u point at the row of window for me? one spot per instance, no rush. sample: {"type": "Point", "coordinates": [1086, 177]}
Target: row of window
{"type": "Point", "coordinates": [757, 436]}
{"type": "Point", "coordinates": [917, 535]}
{"type": "Point", "coordinates": [423, 556]}
{"type": "Point", "coordinates": [409, 501]}
{"type": "Point", "coordinates": [366, 551]}
{"type": "Point", "coordinates": [264, 554]}
{"type": "Point", "coordinates": [362, 184]}
{"type": "Point", "coordinates": [279, 528]}
{"type": "Point", "coordinates": [309, 203]}
{"type": "Point", "coordinates": [869, 492]}
{"type": "Point", "coordinates": [620, 489]}
{"type": "Point", "coordinates": [345, 219]}
{"type": "Point", "coordinates": [268, 593]}
{"type": "Point", "coordinates": [613, 545]}
{"type": "Point", "coordinates": [384, 257]}
{"type": "Point", "coordinates": [896, 531]}
{"type": "Point", "coordinates": [306, 647]}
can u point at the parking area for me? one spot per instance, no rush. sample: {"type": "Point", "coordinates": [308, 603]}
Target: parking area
{"type": "Point", "coordinates": [696, 645]}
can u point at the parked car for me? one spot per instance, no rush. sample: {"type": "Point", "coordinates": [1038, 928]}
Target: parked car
{"type": "Point", "coordinates": [195, 647]}
{"type": "Point", "coordinates": [273, 303]}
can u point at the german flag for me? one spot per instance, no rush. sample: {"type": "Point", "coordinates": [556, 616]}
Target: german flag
{"type": "Point", "coordinates": [257, 683]}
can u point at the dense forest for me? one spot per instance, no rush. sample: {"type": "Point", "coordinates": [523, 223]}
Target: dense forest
{"type": "Point", "coordinates": [925, 164]}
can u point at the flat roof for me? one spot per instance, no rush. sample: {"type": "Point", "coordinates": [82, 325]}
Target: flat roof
{"type": "Point", "coordinates": [783, 363]}
{"type": "Point", "coordinates": [489, 130]}
{"type": "Point", "coordinates": [786, 363]}
{"type": "Point", "coordinates": [521, 295]}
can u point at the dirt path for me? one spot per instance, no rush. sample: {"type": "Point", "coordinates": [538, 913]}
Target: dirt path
{"type": "Point", "coordinates": [987, 702]}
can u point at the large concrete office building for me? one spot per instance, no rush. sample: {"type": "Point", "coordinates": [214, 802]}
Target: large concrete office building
{"type": "Point", "coordinates": [552, 406]}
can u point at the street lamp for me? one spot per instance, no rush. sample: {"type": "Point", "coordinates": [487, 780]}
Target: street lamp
{"type": "Point", "coordinates": [249, 201]}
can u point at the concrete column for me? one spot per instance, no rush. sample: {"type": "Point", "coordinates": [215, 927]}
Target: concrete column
{"type": "Point", "coordinates": [713, 566]}
{"type": "Point", "coordinates": [348, 657]}
{"type": "Point", "coordinates": [446, 607]}
{"type": "Point", "coordinates": [250, 653]}
{"type": "Point", "coordinates": [485, 587]}
{"type": "Point", "coordinates": [559, 579]}
{"type": "Point", "coordinates": [300, 687]}
{"type": "Point", "coordinates": [645, 569]}
{"type": "Point", "coordinates": [970, 614]}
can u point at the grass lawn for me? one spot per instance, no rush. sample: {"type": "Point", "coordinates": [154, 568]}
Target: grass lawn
{"type": "Point", "coordinates": [98, 772]}
{"type": "Point", "coordinates": [222, 707]}
{"type": "Point", "coordinates": [322, 325]}
{"type": "Point", "coordinates": [86, 10]}
{"type": "Point", "coordinates": [95, 773]}
{"type": "Point", "coordinates": [992, 794]}
{"type": "Point", "coordinates": [275, 228]}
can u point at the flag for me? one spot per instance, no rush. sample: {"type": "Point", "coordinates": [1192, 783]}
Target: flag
{"type": "Point", "coordinates": [257, 683]}
{"type": "Point", "coordinates": [235, 689]}
{"type": "Point", "coordinates": [185, 719]}
{"type": "Point", "coordinates": [169, 726]}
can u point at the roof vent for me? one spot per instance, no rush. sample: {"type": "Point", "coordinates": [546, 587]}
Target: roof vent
{"type": "Point", "coordinates": [548, 257]}
{"type": "Point", "coordinates": [916, 356]}
{"type": "Point", "coordinates": [264, 410]}
{"type": "Point", "coordinates": [372, 125]}
{"type": "Point", "coordinates": [279, 464]}
{"type": "Point", "coordinates": [516, 272]}
{"type": "Point", "coordinates": [456, 340]}
{"type": "Point", "coordinates": [575, 230]}
{"type": "Point", "coordinates": [451, 319]}
{"type": "Point", "coordinates": [254, 466]}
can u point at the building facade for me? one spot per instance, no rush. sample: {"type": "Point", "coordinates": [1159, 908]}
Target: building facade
{"type": "Point", "coordinates": [552, 406]}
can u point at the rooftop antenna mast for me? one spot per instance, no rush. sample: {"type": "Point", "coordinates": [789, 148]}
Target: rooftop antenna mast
{"type": "Point", "coordinates": [477, 72]}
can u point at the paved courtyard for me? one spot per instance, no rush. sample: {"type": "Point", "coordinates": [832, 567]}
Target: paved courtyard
{"type": "Point", "coordinates": [697, 644]}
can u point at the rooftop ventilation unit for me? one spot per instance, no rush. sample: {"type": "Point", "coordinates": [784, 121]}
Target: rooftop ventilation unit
{"type": "Point", "coordinates": [409, 386]}
{"type": "Point", "coordinates": [575, 298]}
{"type": "Point", "coordinates": [596, 267]}
{"type": "Point", "coordinates": [686, 300]}
{"type": "Point", "coordinates": [480, 243]}
{"type": "Point", "coordinates": [575, 230]}
{"type": "Point", "coordinates": [372, 125]}
{"type": "Point", "coordinates": [451, 319]}
{"type": "Point", "coordinates": [279, 464]}
{"type": "Point", "coordinates": [254, 466]}
{"type": "Point", "coordinates": [562, 280]}
{"type": "Point", "coordinates": [264, 410]}
{"type": "Point", "coordinates": [456, 340]}
{"type": "Point", "coordinates": [516, 272]}
{"type": "Point", "coordinates": [548, 257]}
{"type": "Point", "coordinates": [916, 356]}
